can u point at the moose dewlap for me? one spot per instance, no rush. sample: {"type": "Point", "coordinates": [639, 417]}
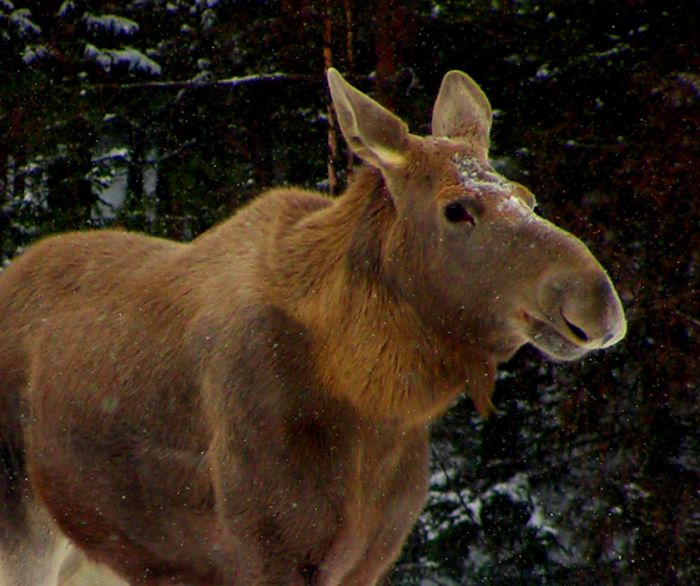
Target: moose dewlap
{"type": "Point", "coordinates": [252, 408]}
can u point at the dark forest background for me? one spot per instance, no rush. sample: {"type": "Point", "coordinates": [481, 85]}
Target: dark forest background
{"type": "Point", "coordinates": [163, 116]}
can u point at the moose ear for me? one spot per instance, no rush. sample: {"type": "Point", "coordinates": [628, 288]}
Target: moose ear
{"type": "Point", "coordinates": [372, 132]}
{"type": "Point", "coordinates": [462, 112]}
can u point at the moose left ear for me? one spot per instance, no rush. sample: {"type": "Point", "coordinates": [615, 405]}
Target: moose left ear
{"type": "Point", "coordinates": [372, 132]}
{"type": "Point", "coordinates": [462, 112]}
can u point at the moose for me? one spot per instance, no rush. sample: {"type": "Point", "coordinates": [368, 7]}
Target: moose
{"type": "Point", "coordinates": [253, 407]}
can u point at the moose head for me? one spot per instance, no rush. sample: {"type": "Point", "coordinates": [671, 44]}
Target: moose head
{"type": "Point", "coordinates": [467, 249]}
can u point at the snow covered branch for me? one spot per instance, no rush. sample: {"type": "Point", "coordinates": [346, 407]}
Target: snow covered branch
{"type": "Point", "coordinates": [221, 83]}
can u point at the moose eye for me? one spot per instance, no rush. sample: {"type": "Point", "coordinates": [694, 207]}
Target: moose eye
{"type": "Point", "coordinates": [455, 212]}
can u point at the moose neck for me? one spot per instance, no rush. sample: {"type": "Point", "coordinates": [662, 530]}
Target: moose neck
{"type": "Point", "coordinates": [371, 347]}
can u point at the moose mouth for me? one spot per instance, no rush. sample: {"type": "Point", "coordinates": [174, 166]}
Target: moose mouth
{"type": "Point", "coordinates": [566, 342]}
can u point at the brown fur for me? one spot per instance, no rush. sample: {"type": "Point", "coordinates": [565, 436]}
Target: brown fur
{"type": "Point", "coordinates": [253, 407]}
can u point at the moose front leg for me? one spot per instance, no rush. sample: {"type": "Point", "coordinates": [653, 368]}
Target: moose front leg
{"type": "Point", "coordinates": [380, 555]}
{"type": "Point", "coordinates": [360, 562]}
{"type": "Point", "coordinates": [250, 555]}
{"type": "Point", "coordinates": [363, 553]}
{"type": "Point", "coordinates": [404, 496]}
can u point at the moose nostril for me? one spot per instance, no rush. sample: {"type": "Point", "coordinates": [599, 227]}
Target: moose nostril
{"type": "Point", "coordinates": [575, 330]}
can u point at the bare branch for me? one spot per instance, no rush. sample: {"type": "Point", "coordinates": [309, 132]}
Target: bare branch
{"type": "Point", "coordinates": [687, 317]}
{"type": "Point", "coordinates": [220, 83]}
{"type": "Point", "coordinates": [328, 63]}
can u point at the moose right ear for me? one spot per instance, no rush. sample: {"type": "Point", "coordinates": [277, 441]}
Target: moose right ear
{"type": "Point", "coordinates": [462, 112]}
{"type": "Point", "coordinates": [371, 131]}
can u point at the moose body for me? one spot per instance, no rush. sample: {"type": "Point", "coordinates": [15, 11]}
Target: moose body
{"type": "Point", "coordinates": [253, 408]}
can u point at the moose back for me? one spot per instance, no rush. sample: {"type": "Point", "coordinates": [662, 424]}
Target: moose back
{"type": "Point", "coordinates": [253, 408]}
